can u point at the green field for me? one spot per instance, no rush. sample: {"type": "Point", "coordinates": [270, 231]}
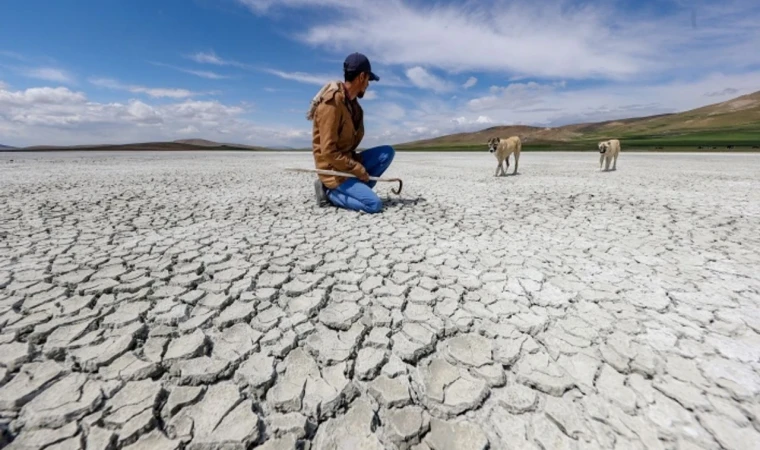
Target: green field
{"type": "Point", "coordinates": [742, 139]}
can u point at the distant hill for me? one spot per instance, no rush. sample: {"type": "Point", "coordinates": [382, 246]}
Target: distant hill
{"type": "Point", "coordinates": [198, 142]}
{"type": "Point", "coordinates": [734, 122]}
{"type": "Point", "coordinates": [7, 147]}
{"type": "Point", "coordinates": [182, 145]}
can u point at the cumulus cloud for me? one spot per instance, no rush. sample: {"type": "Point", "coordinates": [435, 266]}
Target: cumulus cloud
{"type": "Point", "coordinates": [472, 81]}
{"type": "Point", "coordinates": [41, 96]}
{"type": "Point", "coordinates": [481, 120]}
{"type": "Point", "coordinates": [136, 89]}
{"type": "Point", "coordinates": [426, 80]}
{"type": "Point", "coordinates": [60, 116]}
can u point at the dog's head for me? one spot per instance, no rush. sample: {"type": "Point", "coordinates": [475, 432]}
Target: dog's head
{"type": "Point", "coordinates": [493, 143]}
{"type": "Point", "coordinates": [603, 147]}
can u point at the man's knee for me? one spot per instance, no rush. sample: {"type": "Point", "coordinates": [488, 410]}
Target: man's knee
{"type": "Point", "coordinates": [389, 153]}
{"type": "Point", "coordinates": [373, 206]}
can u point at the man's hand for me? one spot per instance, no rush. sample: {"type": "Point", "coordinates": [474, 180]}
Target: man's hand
{"type": "Point", "coordinates": [362, 174]}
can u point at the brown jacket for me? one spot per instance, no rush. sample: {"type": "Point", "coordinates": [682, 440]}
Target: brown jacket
{"type": "Point", "coordinates": [338, 128]}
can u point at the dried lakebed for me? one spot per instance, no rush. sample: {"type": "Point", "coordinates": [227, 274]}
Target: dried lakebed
{"type": "Point", "coordinates": [202, 301]}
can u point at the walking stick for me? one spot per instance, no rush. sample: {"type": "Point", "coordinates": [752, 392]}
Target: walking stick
{"type": "Point", "coordinates": [350, 175]}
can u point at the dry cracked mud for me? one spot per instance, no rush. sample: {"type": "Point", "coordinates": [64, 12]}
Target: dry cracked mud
{"type": "Point", "coordinates": [202, 301]}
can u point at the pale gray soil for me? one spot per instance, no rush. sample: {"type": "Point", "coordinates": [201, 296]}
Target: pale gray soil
{"type": "Point", "coordinates": [203, 301]}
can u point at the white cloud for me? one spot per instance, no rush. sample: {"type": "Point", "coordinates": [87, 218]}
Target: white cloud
{"type": "Point", "coordinates": [261, 6]}
{"type": "Point", "coordinates": [208, 58]}
{"type": "Point", "coordinates": [152, 92]}
{"type": "Point", "coordinates": [426, 80]}
{"type": "Point", "coordinates": [480, 120]}
{"type": "Point", "coordinates": [302, 77]}
{"type": "Point", "coordinates": [143, 113]}
{"type": "Point", "coordinates": [537, 39]}
{"type": "Point", "coordinates": [59, 116]}
{"type": "Point", "coordinates": [386, 112]}
{"type": "Point", "coordinates": [13, 55]}
{"type": "Point", "coordinates": [204, 111]}
{"type": "Point", "coordinates": [211, 57]}
{"type": "Point", "coordinates": [49, 74]}
{"type": "Point", "coordinates": [513, 95]}
{"type": "Point", "coordinates": [540, 40]}
{"type": "Point", "coordinates": [319, 79]}
{"type": "Point", "coordinates": [370, 95]}
{"type": "Point", "coordinates": [207, 74]}
{"type": "Point", "coordinates": [41, 96]}
{"type": "Point", "coordinates": [3, 85]}
{"type": "Point", "coordinates": [162, 92]}
{"type": "Point", "coordinates": [190, 129]}
{"type": "Point", "coordinates": [554, 104]}
{"type": "Point", "coordinates": [472, 81]}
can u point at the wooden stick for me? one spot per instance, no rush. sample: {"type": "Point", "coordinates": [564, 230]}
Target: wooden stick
{"type": "Point", "coordinates": [350, 175]}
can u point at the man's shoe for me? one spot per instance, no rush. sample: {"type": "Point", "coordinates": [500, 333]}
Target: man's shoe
{"type": "Point", "coordinates": [319, 191]}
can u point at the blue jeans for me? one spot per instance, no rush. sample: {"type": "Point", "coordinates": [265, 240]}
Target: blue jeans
{"type": "Point", "coordinates": [357, 195]}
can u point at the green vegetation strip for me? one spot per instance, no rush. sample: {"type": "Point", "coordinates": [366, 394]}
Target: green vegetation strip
{"type": "Point", "coordinates": [742, 140]}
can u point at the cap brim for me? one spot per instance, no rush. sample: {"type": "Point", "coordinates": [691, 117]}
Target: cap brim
{"type": "Point", "coordinates": [373, 77]}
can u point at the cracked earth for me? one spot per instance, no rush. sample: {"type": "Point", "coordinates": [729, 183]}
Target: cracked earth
{"type": "Point", "coordinates": [202, 301]}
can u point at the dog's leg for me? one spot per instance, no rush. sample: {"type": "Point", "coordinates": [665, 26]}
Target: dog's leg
{"type": "Point", "coordinates": [601, 159]}
{"type": "Point", "coordinates": [517, 159]}
{"type": "Point", "coordinates": [614, 163]}
{"type": "Point", "coordinates": [498, 167]}
{"type": "Point", "coordinates": [607, 164]}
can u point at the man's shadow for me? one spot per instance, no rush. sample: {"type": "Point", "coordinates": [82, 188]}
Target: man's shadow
{"type": "Point", "coordinates": [398, 201]}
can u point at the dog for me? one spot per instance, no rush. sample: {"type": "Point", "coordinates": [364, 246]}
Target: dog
{"type": "Point", "coordinates": [609, 151]}
{"type": "Point", "coordinates": [502, 148]}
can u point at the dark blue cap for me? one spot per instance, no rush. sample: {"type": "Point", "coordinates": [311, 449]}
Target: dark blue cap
{"type": "Point", "coordinates": [358, 63]}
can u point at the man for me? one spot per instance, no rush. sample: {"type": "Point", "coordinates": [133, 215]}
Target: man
{"type": "Point", "coordinates": [338, 128]}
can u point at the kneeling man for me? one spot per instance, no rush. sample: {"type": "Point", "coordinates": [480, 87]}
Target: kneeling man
{"type": "Point", "coordinates": [337, 131]}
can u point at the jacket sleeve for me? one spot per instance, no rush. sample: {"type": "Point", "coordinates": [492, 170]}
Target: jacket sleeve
{"type": "Point", "coordinates": [328, 119]}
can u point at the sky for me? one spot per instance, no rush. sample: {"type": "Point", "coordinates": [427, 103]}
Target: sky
{"type": "Point", "coordinates": [244, 71]}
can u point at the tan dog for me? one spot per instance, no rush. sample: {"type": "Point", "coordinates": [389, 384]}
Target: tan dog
{"type": "Point", "coordinates": [503, 148]}
{"type": "Point", "coordinates": [609, 151]}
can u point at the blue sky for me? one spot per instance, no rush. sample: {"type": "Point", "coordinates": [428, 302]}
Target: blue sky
{"type": "Point", "coordinates": [108, 71]}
